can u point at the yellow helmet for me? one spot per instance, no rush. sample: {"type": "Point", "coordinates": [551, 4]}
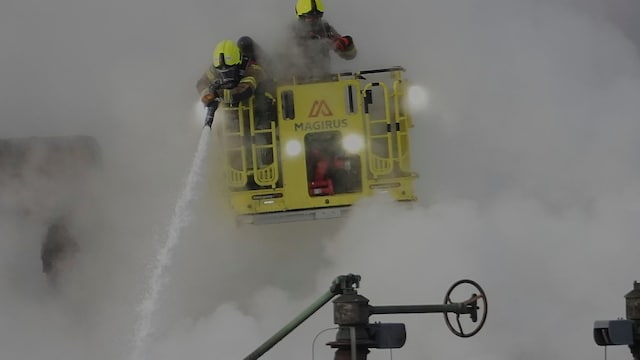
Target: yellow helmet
{"type": "Point", "coordinates": [226, 54]}
{"type": "Point", "coordinates": [309, 7]}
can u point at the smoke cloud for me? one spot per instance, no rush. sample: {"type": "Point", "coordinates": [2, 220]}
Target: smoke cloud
{"type": "Point", "coordinates": [528, 180]}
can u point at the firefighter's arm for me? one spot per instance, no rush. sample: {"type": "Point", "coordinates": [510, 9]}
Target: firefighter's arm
{"type": "Point", "coordinates": [342, 45]}
{"type": "Point", "coordinates": [204, 87]}
{"type": "Point", "coordinates": [246, 87]}
{"type": "Point", "coordinates": [345, 48]}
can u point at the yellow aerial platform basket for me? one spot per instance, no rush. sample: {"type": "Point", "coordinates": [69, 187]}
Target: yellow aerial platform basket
{"type": "Point", "coordinates": [326, 145]}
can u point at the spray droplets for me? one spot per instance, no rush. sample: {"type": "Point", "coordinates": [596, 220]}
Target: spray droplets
{"type": "Point", "coordinates": [179, 220]}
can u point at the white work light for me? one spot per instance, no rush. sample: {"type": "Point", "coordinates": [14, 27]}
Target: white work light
{"type": "Point", "coordinates": [293, 148]}
{"type": "Point", "coordinates": [353, 143]}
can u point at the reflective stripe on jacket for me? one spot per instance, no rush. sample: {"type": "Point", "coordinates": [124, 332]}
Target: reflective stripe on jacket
{"type": "Point", "coordinates": [246, 87]}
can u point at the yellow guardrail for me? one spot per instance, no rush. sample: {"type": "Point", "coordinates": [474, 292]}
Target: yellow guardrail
{"type": "Point", "coordinates": [404, 123]}
{"type": "Point", "coordinates": [246, 148]}
{"type": "Point", "coordinates": [379, 165]}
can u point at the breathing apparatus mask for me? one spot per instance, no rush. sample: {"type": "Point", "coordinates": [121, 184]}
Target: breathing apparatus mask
{"type": "Point", "coordinates": [229, 76]}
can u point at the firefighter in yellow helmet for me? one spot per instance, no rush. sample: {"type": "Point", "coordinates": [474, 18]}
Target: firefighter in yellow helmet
{"type": "Point", "coordinates": [232, 77]}
{"type": "Point", "coordinates": [316, 38]}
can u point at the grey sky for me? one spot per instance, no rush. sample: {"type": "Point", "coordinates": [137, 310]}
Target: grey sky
{"type": "Point", "coordinates": [529, 177]}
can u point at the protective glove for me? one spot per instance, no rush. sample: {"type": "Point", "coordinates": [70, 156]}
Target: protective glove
{"type": "Point", "coordinates": [208, 99]}
{"type": "Point", "coordinates": [343, 43]}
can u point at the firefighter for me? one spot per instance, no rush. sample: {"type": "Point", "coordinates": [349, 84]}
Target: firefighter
{"type": "Point", "coordinates": [315, 38]}
{"type": "Point", "coordinates": [232, 77]}
{"type": "Point", "coordinates": [252, 53]}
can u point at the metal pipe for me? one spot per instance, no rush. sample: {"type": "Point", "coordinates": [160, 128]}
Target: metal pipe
{"type": "Point", "coordinates": [304, 315]}
{"type": "Point", "coordinates": [457, 308]}
{"type": "Point", "coordinates": [354, 348]}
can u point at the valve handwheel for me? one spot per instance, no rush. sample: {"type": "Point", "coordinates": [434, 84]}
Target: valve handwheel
{"type": "Point", "coordinates": [475, 303]}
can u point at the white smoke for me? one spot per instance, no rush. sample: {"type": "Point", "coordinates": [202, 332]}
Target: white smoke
{"type": "Point", "coordinates": [528, 184]}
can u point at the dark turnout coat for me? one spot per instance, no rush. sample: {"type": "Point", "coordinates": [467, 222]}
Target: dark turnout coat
{"type": "Point", "coordinates": [312, 45]}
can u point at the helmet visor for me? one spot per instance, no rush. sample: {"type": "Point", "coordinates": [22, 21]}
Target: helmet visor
{"type": "Point", "coordinates": [311, 17]}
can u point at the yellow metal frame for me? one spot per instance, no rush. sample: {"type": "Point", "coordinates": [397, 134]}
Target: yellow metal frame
{"type": "Point", "coordinates": [240, 144]}
{"type": "Point", "coordinates": [337, 106]}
